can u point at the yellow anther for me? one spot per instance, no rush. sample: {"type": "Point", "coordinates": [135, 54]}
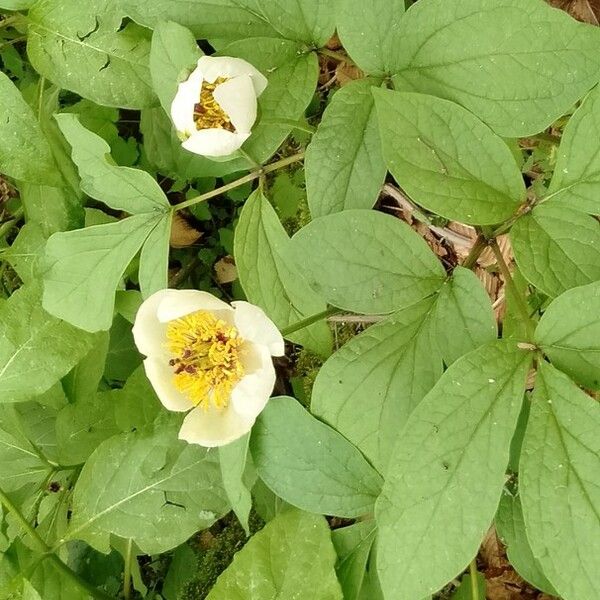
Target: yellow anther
{"type": "Point", "coordinates": [207, 112]}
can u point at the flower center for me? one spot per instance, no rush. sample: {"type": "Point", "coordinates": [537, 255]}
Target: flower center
{"type": "Point", "coordinates": [205, 355]}
{"type": "Point", "coordinates": [207, 113]}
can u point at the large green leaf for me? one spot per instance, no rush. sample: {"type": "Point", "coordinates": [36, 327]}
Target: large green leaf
{"type": "Point", "coordinates": [369, 32]}
{"type": "Point", "coordinates": [517, 65]}
{"type": "Point", "coordinates": [154, 258]}
{"type": "Point", "coordinates": [511, 529]}
{"type": "Point", "coordinates": [366, 261]}
{"type": "Point", "coordinates": [558, 484]}
{"type": "Point", "coordinates": [344, 164]}
{"type": "Point", "coordinates": [269, 276]}
{"type": "Point", "coordinates": [84, 267]}
{"type": "Point", "coordinates": [36, 349]}
{"type": "Point", "coordinates": [576, 179]}
{"type": "Point", "coordinates": [24, 152]}
{"type": "Point", "coordinates": [292, 558]}
{"type": "Point", "coordinates": [446, 472]}
{"type": "Point", "coordinates": [446, 159]}
{"type": "Point", "coordinates": [569, 333]}
{"type": "Point", "coordinates": [122, 188]}
{"type": "Point", "coordinates": [557, 248]}
{"type": "Point", "coordinates": [173, 54]}
{"type": "Point", "coordinates": [81, 47]}
{"type": "Point", "coordinates": [309, 21]}
{"type": "Point", "coordinates": [310, 465]}
{"type": "Point", "coordinates": [149, 487]}
{"type": "Point", "coordinates": [292, 74]}
{"type": "Point", "coordinates": [369, 387]}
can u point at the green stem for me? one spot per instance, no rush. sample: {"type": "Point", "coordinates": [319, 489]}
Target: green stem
{"type": "Point", "coordinates": [474, 582]}
{"type": "Point", "coordinates": [284, 162]}
{"type": "Point", "coordinates": [44, 549]}
{"type": "Point", "coordinates": [520, 301]}
{"type": "Point", "coordinates": [127, 571]}
{"type": "Point", "coordinates": [286, 331]}
{"type": "Point", "coordinates": [478, 247]}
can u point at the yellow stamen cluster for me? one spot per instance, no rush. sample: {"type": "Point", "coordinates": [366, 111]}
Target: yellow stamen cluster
{"type": "Point", "coordinates": [207, 113]}
{"type": "Point", "coordinates": [206, 354]}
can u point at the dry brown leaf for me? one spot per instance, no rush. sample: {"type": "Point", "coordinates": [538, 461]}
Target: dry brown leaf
{"type": "Point", "coordinates": [225, 270]}
{"type": "Point", "coordinates": [587, 11]}
{"type": "Point", "coordinates": [182, 233]}
{"type": "Point", "coordinates": [345, 73]}
{"type": "Point", "coordinates": [334, 42]}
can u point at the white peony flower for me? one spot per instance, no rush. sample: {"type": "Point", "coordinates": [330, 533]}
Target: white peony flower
{"type": "Point", "coordinates": [210, 358]}
{"type": "Point", "coordinates": [215, 108]}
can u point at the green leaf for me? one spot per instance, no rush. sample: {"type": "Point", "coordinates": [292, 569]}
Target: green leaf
{"type": "Point", "coordinates": [310, 465]}
{"type": "Point", "coordinates": [465, 591]}
{"type": "Point", "coordinates": [353, 546]}
{"type": "Point", "coordinates": [173, 54]}
{"type": "Point", "coordinates": [123, 357]}
{"type": "Point", "coordinates": [269, 276]}
{"type": "Point", "coordinates": [154, 258]}
{"type": "Point", "coordinates": [464, 316]}
{"type": "Point", "coordinates": [446, 159]}
{"type": "Point", "coordinates": [292, 74]}
{"type": "Point", "coordinates": [233, 459]}
{"type": "Point", "coordinates": [81, 47]}
{"type": "Point", "coordinates": [26, 251]}
{"type": "Point", "coordinates": [24, 152]}
{"type": "Point", "coordinates": [84, 267]}
{"type": "Point", "coordinates": [576, 179]}
{"type": "Point", "coordinates": [557, 248]}
{"type": "Point", "coordinates": [136, 405]}
{"type": "Point", "coordinates": [446, 472]}
{"type": "Point", "coordinates": [150, 487]}
{"type": "Point", "coordinates": [369, 32]}
{"type": "Point", "coordinates": [292, 558]}
{"type": "Point", "coordinates": [36, 349]}
{"type": "Point", "coordinates": [511, 529]}
{"type": "Point", "coordinates": [569, 333]}
{"type": "Point", "coordinates": [480, 53]}
{"type": "Point", "coordinates": [365, 261]}
{"type": "Point", "coordinates": [381, 375]}
{"type": "Point", "coordinates": [121, 188]}
{"type": "Point", "coordinates": [344, 164]}
{"type": "Point", "coordinates": [558, 470]}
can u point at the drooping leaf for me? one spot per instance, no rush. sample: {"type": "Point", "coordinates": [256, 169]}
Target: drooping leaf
{"type": "Point", "coordinates": [446, 472]}
{"type": "Point", "coordinates": [569, 333]}
{"type": "Point", "coordinates": [511, 529]}
{"type": "Point", "coordinates": [154, 258]}
{"type": "Point", "coordinates": [150, 487]}
{"type": "Point", "coordinates": [310, 465]}
{"type": "Point", "coordinates": [518, 66]}
{"type": "Point", "coordinates": [560, 497]}
{"type": "Point", "coordinates": [292, 558]}
{"type": "Point", "coordinates": [365, 261]}
{"type": "Point", "coordinates": [269, 276]}
{"type": "Point", "coordinates": [557, 248]}
{"type": "Point", "coordinates": [576, 180]}
{"type": "Point", "coordinates": [80, 47]}
{"type": "Point", "coordinates": [369, 387]}
{"type": "Point", "coordinates": [24, 152]}
{"type": "Point", "coordinates": [84, 267]}
{"type": "Point", "coordinates": [121, 188]}
{"type": "Point", "coordinates": [173, 54]}
{"type": "Point", "coordinates": [446, 159]}
{"type": "Point", "coordinates": [36, 349]}
{"type": "Point", "coordinates": [344, 164]}
{"type": "Point", "coordinates": [369, 33]}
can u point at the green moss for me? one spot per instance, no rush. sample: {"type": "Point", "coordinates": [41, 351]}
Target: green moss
{"type": "Point", "coordinates": [216, 548]}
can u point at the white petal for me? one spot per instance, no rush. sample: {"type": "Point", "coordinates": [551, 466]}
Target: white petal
{"type": "Point", "coordinates": [254, 326]}
{"type": "Point", "coordinates": [185, 302]}
{"type": "Point", "coordinates": [215, 142]}
{"type": "Point", "coordinates": [160, 374]}
{"type": "Point", "coordinates": [252, 393]}
{"type": "Point", "coordinates": [226, 66]}
{"type": "Point", "coordinates": [182, 107]}
{"type": "Point", "coordinates": [148, 331]}
{"type": "Point", "coordinates": [214, 427]}
{"type": "Point", "coordinates": [238, 100]}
